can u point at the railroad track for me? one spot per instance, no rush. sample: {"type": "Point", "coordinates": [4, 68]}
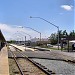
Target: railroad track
{"type": "Point", "coordinates": [42, 69]}
{"type": "Point", "coordinates": [18, 65]}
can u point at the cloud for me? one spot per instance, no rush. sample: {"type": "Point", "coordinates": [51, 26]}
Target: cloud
{"type": "Point", "coordinates": [9, 31]}
{"type": "Point", "coordinates": [67, 7]}
{"type": "Point", "coordinates": [5, 27]}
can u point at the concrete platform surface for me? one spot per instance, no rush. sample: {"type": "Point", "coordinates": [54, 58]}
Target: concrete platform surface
{"type": "Point", "coordinates": [4, 65]}
{"type": "Point", "coordinates": [22, 48]}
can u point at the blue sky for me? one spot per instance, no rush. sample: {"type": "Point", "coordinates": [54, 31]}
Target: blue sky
{"type": "Point", "coordinates": [17, 12]}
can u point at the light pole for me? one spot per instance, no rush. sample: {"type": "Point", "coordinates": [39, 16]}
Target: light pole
{"type": "Point", "coordinates": [34, 30]}
{"type": "Point", "coordinates": [24, 41]}
{"type": "Point", "coordinates": [51, 24]}
{"type": "Point", "coordinates": [19, 39]}
{"type": "Point", "coordinates": [26, 34]}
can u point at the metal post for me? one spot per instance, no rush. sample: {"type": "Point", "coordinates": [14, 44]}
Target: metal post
{"type": "Point", "coordinates": [25, 33]}
{"type": "Point", "coordinates": [68, 45]}
{"type": "Point", "coordinates": [33, 30]}
{"type": "Point", "coordinates": [51, 24]}
{"type": "Point", "coordinates": [40, 37]}
{"type": "Point", "coordinates": [25, 42]}
{"type": "Point", "coordinates": [58, 38]}
{"type": "Point", "coordinates": [20, 41]}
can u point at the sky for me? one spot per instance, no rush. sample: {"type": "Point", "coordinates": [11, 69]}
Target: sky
{"type": "Point", "coordinates": [15, 16]}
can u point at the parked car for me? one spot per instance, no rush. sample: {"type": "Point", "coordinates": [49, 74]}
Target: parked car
{"type": "Point", "coordinates": [49, 45]}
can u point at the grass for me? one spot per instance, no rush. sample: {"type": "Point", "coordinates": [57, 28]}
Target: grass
{"type": "Point", "coordinates": [52, 48]}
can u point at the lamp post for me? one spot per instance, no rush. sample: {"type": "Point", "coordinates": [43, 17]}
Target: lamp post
{"type": "Point", "coordinates": [33, 30]}
{"type": "Point", "coordinates": [19, 39]}
{"type": "Point", "coordinates": [24, 40]}
{"type": "Point", "coordinates": [26, 34]}
{"type": "Point", "coordinates": [51, 24]}
{"type": "Point", "coordinates": [25, 43]}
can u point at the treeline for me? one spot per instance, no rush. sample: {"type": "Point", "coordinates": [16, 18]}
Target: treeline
{"type": "Point", "coordinates": [54, 36]}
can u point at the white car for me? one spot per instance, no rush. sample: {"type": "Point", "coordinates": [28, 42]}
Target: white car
{"type": "Point", "coordinates": [49, 45]}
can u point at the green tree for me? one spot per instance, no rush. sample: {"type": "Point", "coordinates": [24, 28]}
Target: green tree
{"type": "Point", "coordinates": [72, 33]}
{"type": "Point", "coordinates": [65, 33]}
{"type": "Point", "coordinates": [53, 38]}
{"type": "Point", "coordinates": [11, 41]}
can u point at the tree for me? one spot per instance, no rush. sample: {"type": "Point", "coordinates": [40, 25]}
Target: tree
{"type": "Point", "coordinates": [53, 38]}
{"type": "Point", "coordinates": [65, 33]}
{"type": "Point", "coordinates": [72, 33]}
{"type": "Point", "coordinates": [11, 41]}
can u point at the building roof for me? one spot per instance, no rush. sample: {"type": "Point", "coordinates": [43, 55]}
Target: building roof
{"type": "Point", "coordinates": [68, 38]}
{"type": "Point", "coordinates": [2, 37]}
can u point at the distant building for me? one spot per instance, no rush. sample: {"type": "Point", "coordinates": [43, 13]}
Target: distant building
{"type": "Point", "coordinates": [37, 39]}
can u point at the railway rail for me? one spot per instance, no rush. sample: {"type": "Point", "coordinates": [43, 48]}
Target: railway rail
{"type": "Point", "coordinates": [18, 65]}
{"type": "Point", "coordinates": [42, 68]}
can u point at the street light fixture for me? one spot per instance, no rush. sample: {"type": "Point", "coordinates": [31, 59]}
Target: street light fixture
{"type": "Point", "coordinates": [18, 36]}
{"type": "Point", "coordinates": [18, 39]}
{"type": "Point", "coordinates": [33, 30]}
{"type": "Point", "coordinates": [25, 42]}
{"type": "Point", "coordinates": [51, 24]}
{"type": "Point", "coordinates": [26, 34]}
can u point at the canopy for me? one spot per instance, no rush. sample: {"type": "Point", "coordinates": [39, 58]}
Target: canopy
{"type": "Point", "coordinates": [2, 37]}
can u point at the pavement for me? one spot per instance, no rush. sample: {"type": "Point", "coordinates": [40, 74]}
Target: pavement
{"type": "Point", "coordinates": [4, 65]}
{"type": "Point", "coordinates": [23, 48]}
{"type": "Point", "coordinates": [51, 54]}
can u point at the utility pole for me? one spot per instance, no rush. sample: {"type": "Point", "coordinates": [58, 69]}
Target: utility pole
{"type": "Point", "coordinates": [25, 43]}
{"type": "Point", "coordinates": [51, 24]}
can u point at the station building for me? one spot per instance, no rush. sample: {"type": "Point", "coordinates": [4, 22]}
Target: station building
{"type": "Point", "coordinates": [2, 40]}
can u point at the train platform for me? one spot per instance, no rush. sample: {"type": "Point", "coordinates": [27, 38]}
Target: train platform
{"type": "Point", "coordinates": [4, 65]}
{"type": "Point", "coordinates": [23, 48]}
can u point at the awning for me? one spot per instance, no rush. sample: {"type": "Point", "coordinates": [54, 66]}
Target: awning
{"type": "Point", "coordinates": [2, 37]}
